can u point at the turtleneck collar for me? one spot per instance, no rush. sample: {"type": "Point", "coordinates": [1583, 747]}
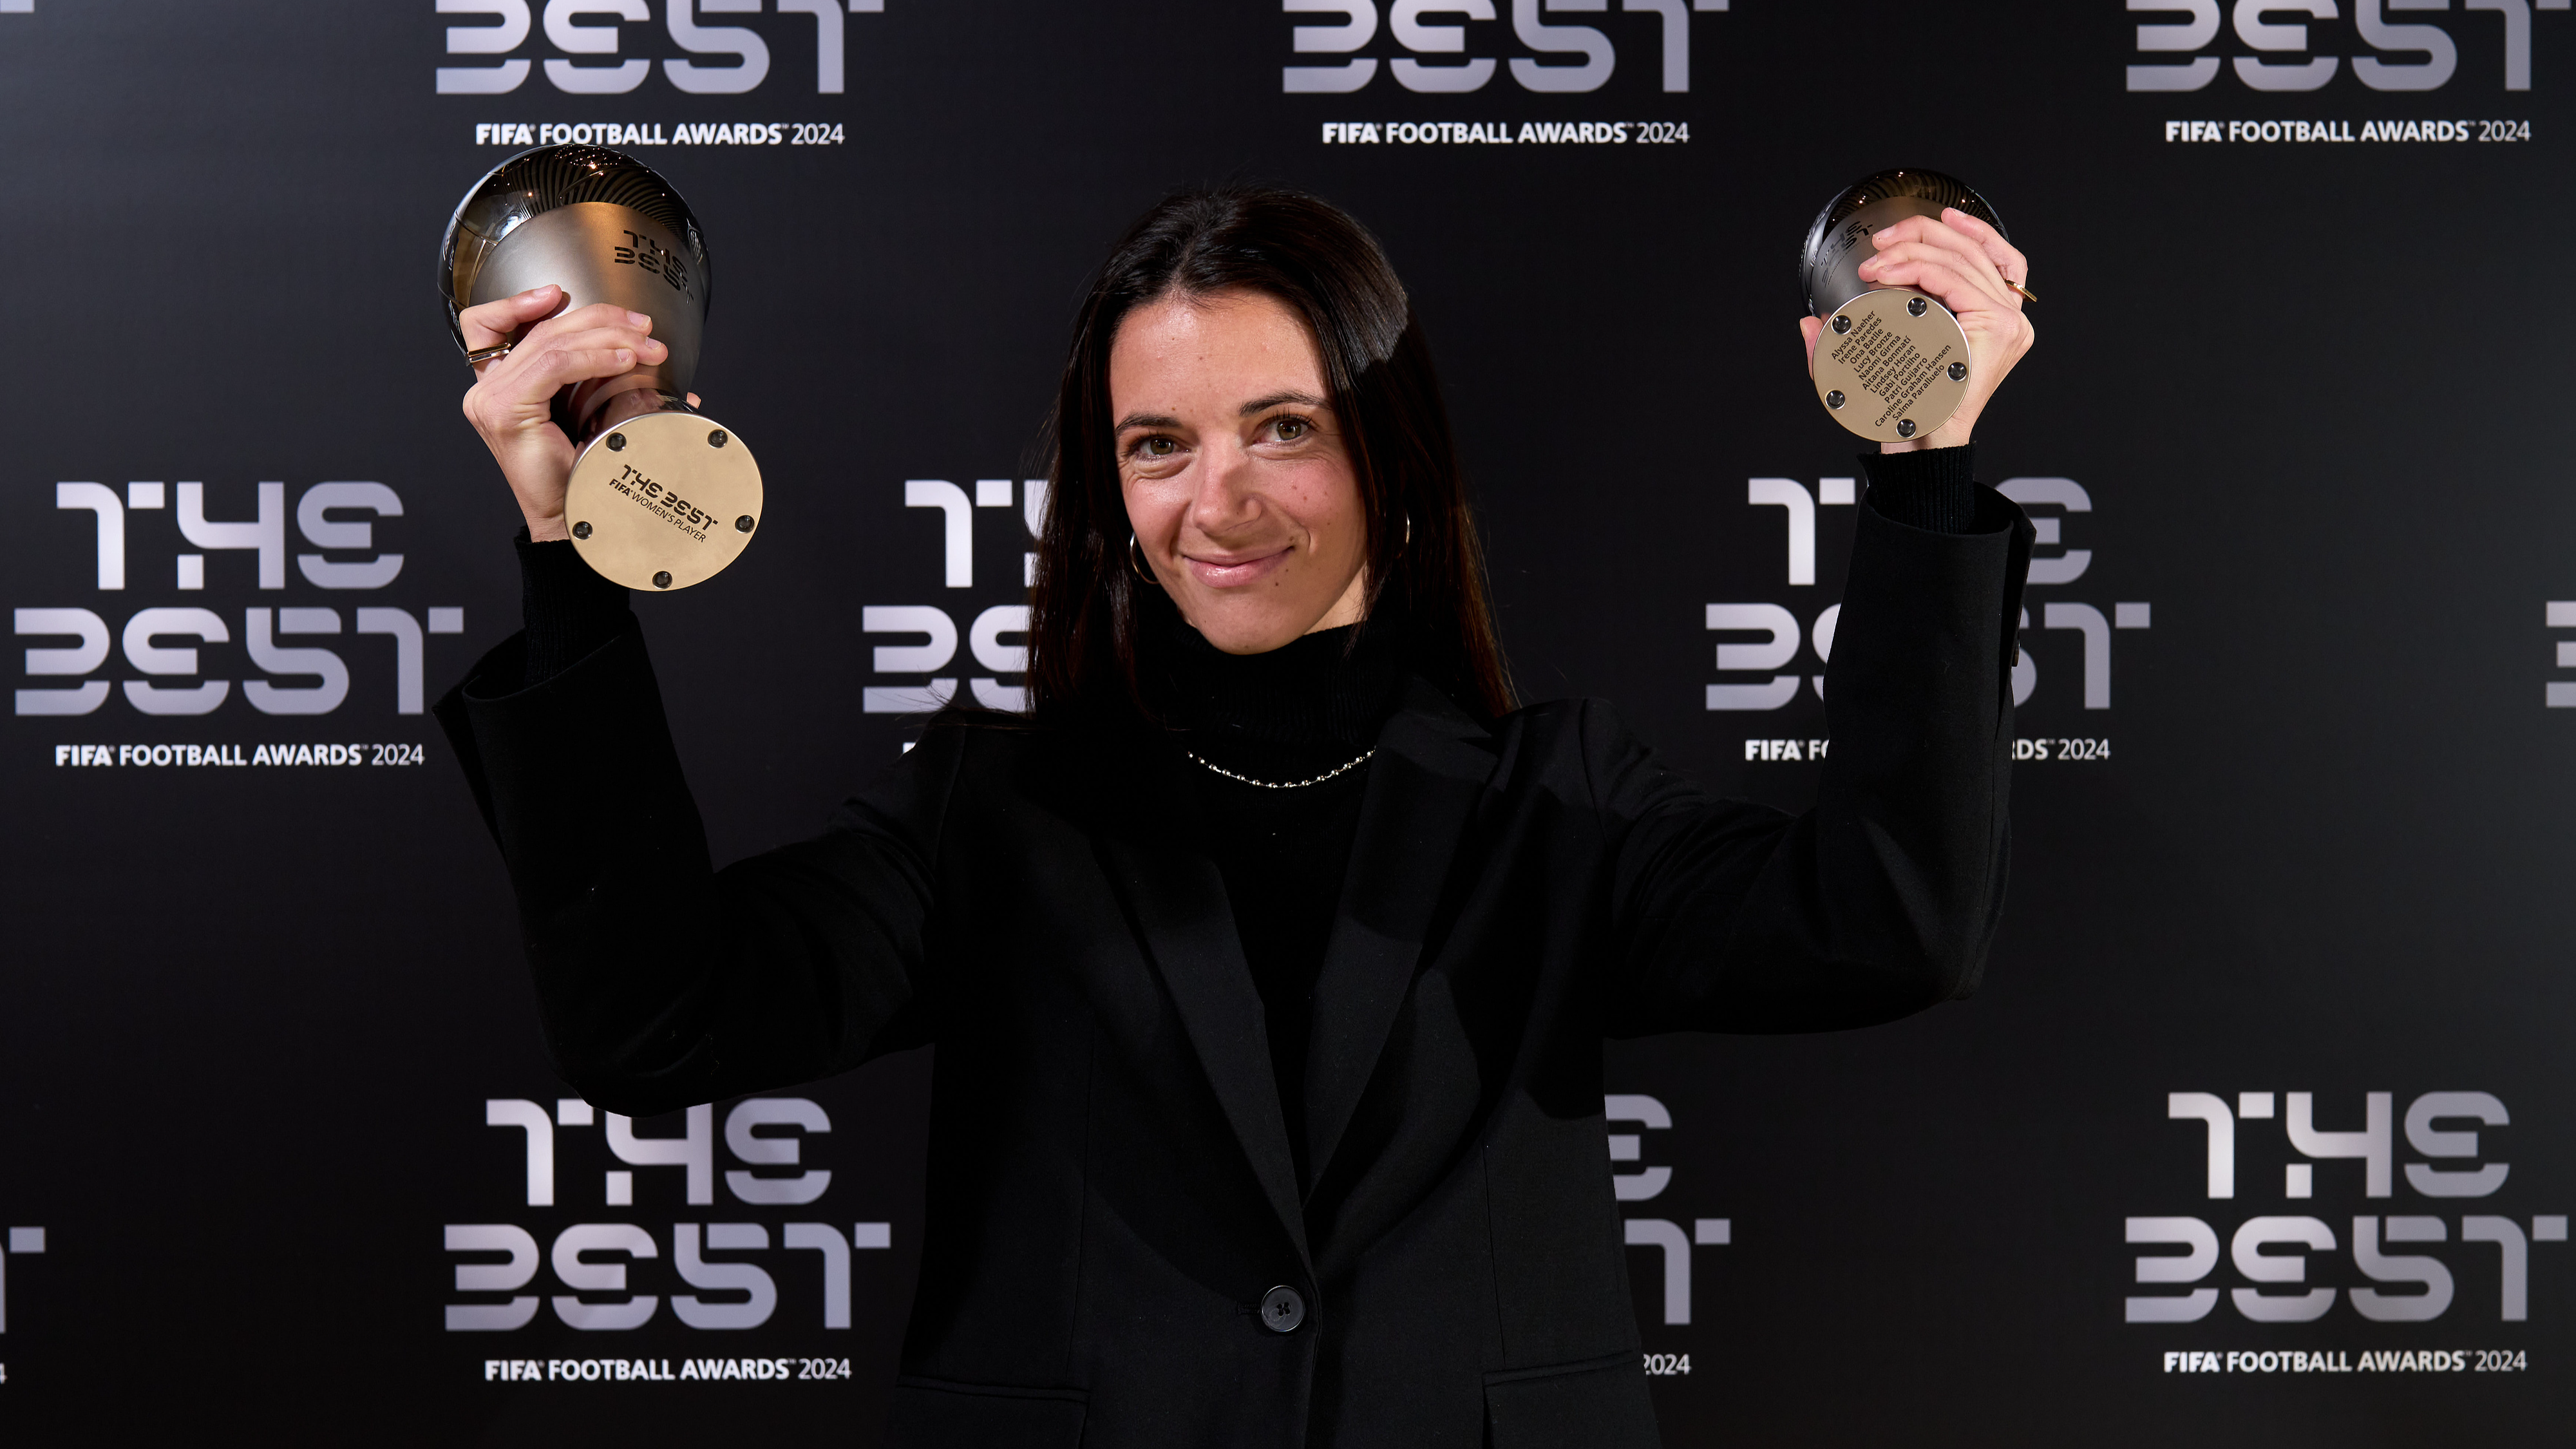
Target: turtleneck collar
{"type": "Point", "coordinates": [1332, 688]}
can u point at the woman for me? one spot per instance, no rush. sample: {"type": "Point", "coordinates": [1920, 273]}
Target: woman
{"type": "Point", "coordinates": [1270, 956]}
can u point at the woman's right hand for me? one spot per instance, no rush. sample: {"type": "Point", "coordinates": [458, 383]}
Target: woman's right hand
{"type": "Point", "coordinates": [511, 402]}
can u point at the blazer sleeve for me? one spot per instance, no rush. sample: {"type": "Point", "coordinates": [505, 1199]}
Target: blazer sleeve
{"type": "Point", "coordinates": [1881, 900]}
{"type": "Point", "coordinates": [662, 982]}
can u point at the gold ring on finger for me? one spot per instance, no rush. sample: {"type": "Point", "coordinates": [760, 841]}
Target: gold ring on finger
{"type": "Point", "coordinates": [482, 355]}
{"type": "Point", "coordinates": [2027, 294]}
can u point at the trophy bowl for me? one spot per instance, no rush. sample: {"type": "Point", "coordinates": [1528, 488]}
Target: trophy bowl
{"type": "Point", "coordinates": [1892, 363]}
{"type": "Point", "coordinates": [661, 497]}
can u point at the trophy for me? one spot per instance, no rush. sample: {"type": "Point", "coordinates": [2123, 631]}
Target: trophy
{"type": "Point", "coordinates": [1892, 362]}
{"type": "Point", "coordinates": [660, 497]}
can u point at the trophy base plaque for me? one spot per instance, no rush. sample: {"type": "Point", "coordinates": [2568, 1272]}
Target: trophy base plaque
{"type": "Point", "coordinates": [663, 500]}
{"type": "Point", "coordinates": [1891, 365]}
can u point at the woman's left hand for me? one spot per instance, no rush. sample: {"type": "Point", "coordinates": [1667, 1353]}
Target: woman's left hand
{"type": "Point", "coordinates": [1964, 263]}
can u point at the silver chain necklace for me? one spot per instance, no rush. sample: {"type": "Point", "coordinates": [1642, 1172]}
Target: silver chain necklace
{"type": "Point", "coordinates": [1286, 784]}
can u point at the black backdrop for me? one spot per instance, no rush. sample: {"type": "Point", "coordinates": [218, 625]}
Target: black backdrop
{"type": "Point", "coordinates": [2292, 838]}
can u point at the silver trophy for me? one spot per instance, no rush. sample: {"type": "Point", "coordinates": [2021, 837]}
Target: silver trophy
{"type": "Point", "coordinates": [661, 497]}
{"type": "Point", "coordinates": [1892, 363]}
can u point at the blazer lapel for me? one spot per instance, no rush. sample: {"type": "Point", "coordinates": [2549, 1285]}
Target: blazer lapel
{"type": "Point", "coordinates": [1433, 763]}
{"type": "Point", "coordinates": [1189, 934]}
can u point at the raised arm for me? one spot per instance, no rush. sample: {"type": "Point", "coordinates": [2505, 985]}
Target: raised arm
{"type": "Point", "coordinates": [662, 982]}
{"type": "Point", "coordinates": [1882, 899]}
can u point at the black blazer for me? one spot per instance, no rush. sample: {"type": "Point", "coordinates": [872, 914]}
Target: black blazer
{"type": "Point", "coordinates": [1111, 1192]}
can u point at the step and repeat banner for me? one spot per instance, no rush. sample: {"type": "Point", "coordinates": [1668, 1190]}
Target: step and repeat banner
{"type": "Point", "coordinates": [2261, 1132]}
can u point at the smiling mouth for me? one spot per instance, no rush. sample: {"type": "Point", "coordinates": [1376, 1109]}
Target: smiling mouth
{"type": "Point", "coordinates": [1235, 573]}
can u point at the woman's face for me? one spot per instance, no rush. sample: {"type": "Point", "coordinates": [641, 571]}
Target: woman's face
{"type": "Point", "coordinates": [1237, 482]}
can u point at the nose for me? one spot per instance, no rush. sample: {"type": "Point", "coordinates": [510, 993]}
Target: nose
{"type": "Point", "coordinates": [1225, 499]}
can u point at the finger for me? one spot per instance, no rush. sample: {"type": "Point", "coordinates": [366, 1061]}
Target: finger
{"type": "Point", "coordinates": [1810, 328]}
{"type": "Point", "coordinates": [591, 318]}
{"type": "Point", "coordinates": [616, 334]}
{"type": "Point", "coordinates": [1911, 264]}
{"type": "Point", "coordinates": [525, 359]}
{"type": "Point", "coordinates": [489, 324]}
{"type": "Point", "coordinates": [1957, 289]}
{"type": "Point", "coordinates": [1961, 249]}
{"type": "Point", "coordinates": [2007, 259]}
{"type": "Point", "coordinates": [586, 319]}
{"type": "Point", "coordinates": [693, 400]}
{"type": "Point", "coordinates": [603, 314]}
{"type": "Point", "coordinates": [562, 364]}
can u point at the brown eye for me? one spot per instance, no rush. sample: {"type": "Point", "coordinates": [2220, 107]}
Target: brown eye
{"type": "Point", "coordinates": [1158, 447]}
{"type": "Point", "coordinates": [1290, 430]}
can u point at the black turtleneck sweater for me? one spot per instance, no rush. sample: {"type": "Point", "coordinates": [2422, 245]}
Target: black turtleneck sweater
{"type": "Point", "coordinates": [1293, 714]}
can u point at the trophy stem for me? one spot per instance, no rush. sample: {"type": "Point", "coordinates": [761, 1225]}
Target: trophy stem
{"type": "Point", "coordinates": [625, 406]}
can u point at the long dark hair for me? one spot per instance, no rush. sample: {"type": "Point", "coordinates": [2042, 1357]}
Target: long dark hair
{"type": "Point", "coordinates": [1325, 267]}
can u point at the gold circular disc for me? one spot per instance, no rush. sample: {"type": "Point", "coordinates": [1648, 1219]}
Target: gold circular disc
{"type": "Point", "coordinates": [1891, 367]}
{"type": "Point", "coordinates": [657, 504]}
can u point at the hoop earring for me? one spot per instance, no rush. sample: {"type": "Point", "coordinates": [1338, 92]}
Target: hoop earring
{"type": "Point", "coordinates": [1136, 561]}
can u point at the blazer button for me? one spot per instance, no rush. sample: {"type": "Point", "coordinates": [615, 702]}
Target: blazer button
{"type": "Point", "coordinates": [1282, 1309]}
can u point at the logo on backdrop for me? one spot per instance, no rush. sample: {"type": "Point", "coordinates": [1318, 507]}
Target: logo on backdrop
{"type": "Point", "coordinates": [2561, 693]}
{"type": "Point", "coordinates": [181, 649]}
{"type": "Point", "coordinates": [1674, 1241]}
{"type": "Point", "coordinates": [925, 674]}
{"type": "Point", "coordinates": [594, 56]}
{"type": "Point", "coordinates": [2447, 1246]}
{"type": "Point", "coordinates": [2301, 46]}
{"type": "Point", "coordinates": [1761, 668]}
{"type": "Point", "coordinates": [1557, 57]}
{"type": "Point", "coordinates": [22, 1243]}
{"type": "Point", "coordinates": [603, 1269]}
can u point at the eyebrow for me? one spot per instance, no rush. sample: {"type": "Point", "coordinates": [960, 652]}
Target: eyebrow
{"type": "Point", "coordinates": [1257, 405]}
{"type": "Point", "coordinates": [1264, 404]}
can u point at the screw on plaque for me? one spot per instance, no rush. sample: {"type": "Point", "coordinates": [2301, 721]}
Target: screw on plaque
{"type": "Point", "coordinates": [663, 580]}
{"type": "Point", "coordinates": [1842, 325]}
{"type": "Point", "coordinates": [1958, 372]}
{"type": "Point", "coordinates": [743, 524]}
{"type": "Point", "coordinates": [716, 439]}
{"type": "Point", "coordinates": [1834, 399]}
{"type": "Point", "coordinates": [1905, 427]}
{"type": "Point", "coordinates": [1915, 306]}
{"type": "Point", "coordinates": [617, 442]}
{"type": "Point", "coordinates": [581, 530]}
